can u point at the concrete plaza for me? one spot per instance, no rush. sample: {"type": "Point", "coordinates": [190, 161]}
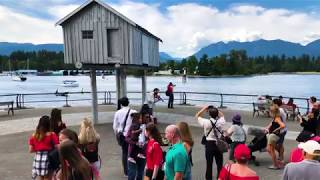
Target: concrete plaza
{"type": "Point", "coordinates": [16, 161]}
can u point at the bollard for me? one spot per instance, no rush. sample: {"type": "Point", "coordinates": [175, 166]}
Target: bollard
{"type": "Point", "coordinates": [66, 105]}
{"type": "Point", "coordinates": [105, 97]}
{"type": "Point", "coordinates": [221, 101]}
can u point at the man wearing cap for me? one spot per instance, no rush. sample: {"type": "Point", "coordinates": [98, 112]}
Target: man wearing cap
{"type": "Point", "coordinates": [309, 168]}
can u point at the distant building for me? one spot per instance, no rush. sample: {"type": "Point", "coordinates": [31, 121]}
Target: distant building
{"type": "Point", "coordinates": [27, 72]}
{"type": "Point", "coordinates": [167, 72]}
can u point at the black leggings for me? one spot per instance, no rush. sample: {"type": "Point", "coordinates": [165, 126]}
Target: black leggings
{"type": "Point", "coordinates": [212, 151]}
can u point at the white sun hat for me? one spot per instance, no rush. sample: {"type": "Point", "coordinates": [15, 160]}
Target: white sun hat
{"type": "Point", "coordinates": [311, 147]}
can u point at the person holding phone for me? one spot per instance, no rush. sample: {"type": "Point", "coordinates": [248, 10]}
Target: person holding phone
{"type": "Point", "coordinates": [211, 149]}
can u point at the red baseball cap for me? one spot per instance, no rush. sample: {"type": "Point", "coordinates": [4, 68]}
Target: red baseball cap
{"type": "Point", "coordinates": [242, 152]}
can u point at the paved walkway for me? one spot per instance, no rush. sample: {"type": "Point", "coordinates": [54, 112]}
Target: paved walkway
{"type": "Point", "coordinates": [16, 161]}
{"type": "Point", "coordinates": [167, 116]}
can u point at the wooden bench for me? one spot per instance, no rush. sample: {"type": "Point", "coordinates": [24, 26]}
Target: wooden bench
{"type": "Point", "coordinates": [9, 105]}
{"type": "Point", "coordinates": [261, 108]}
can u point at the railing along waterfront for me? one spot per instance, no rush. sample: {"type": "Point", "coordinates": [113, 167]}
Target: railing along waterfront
{"type": "Point", "coordinates": [109, 97]}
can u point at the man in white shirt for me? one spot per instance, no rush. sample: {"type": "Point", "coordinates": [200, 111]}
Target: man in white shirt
{"type": "Point", "coordinates": [308, 169]}
{"type": "Point", "coordinates": [121, 124]}
{"type": "Point", "coordinates": [211, 149]}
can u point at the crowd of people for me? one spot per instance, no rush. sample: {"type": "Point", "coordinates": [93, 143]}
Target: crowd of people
{"type": "Point", "coordinates": [61, 153]}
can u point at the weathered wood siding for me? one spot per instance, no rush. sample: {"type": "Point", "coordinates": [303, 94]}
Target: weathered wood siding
{"type": "Point", "coordinates": [133, 47]}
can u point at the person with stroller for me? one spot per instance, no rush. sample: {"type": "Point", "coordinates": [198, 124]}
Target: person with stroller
{"type": "Point", "coordinates": [215, 123]}
{"type": "Point", "coordinates": [240, 169]}
{"type": "Point", "coordinates": [274, 135]}
{"type": "Point", "coordinates": [236, 134]}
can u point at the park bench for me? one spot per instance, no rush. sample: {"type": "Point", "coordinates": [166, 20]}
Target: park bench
{"type": "Point", "coordinates": [9, 106]}
{"type": "Point", "coordinates": [290, 111]}
{"type": "Point", "coordinates": [261, 108]}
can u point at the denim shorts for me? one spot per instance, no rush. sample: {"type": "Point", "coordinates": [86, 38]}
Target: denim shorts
{"type": "Point", "coordinates": [281, 137]}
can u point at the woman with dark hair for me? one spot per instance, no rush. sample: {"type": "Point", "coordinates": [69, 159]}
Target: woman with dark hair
{"type": "Point", "coordinates": [212, 128]}
{"type": "Point", "coordinates": [188, 142]}
{"type": "Point", "coordinates": [54, 160]}
{"type": "Point", "coordinates": [41, 143]}
{"type": "Point", "coordinates": [154, 156]}
{"type": "Point", "coordinates": [309, 124]}
{"type": "Point", "coordinates": [236, 134]}
{"type": "Point", "coordinates": [146, 115]}
{"type": "Point", "coordinates": [56, 124]}
{"type": "Point", "coordinates": [240, 169]}
{"type": "Point", "coordinates": [73, 165]}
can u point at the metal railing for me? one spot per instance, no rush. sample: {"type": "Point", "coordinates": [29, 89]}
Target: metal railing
{"type": "Point", "coordinates": [109, 97]}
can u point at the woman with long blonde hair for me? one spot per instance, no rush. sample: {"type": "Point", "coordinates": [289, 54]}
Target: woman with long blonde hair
{"type": "Point", "coordinates": [188, 142]}
{"type": "Point", "coordinates": [273, 136]}
{"type": "Point", "coordinates": [89, 142]}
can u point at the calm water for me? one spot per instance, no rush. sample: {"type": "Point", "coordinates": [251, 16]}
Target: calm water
{"type": "Point", "coordinates": [285, 85]}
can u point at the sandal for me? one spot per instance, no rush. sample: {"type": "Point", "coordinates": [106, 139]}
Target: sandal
{"type": "Point", "coordinates": [273, 167]}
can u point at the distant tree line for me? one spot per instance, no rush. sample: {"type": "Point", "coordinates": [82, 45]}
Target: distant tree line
{"type": "Point", "coordinates": [40, 60]}
{"type": "Point", "coordinates": [236, 62]}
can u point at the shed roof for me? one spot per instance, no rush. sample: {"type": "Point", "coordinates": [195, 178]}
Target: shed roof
{"type": "Point", "coordinates": [61, 21]}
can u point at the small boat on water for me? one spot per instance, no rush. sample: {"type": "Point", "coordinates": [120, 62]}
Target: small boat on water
{"type": "Point", "coordinates": [70, 83]}
{"type": "Point", "coordinates": [19, 78]}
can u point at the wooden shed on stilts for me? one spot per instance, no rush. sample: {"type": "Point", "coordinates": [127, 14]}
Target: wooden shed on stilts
{"type": "Point", "coordinates": [96, 36]}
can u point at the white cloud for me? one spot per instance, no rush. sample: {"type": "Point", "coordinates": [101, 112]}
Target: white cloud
{"type": "Point", "coordinates": [184, 28]}
{"type": "Point", "coordinates": [17, 27]}
{"type": "Point", "coordinates": [61, 11]}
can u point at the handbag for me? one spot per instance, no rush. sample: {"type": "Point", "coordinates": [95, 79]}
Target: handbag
{"type": "Point", "coordinates": [167, 93]}
{"type": "Point", "coordinates": [221, 143]}
{"type": "Point", "coordinates": [120, 136]}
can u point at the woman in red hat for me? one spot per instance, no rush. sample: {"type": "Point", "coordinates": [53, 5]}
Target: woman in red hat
{"type": "Point", "coordinates": [240, 169]}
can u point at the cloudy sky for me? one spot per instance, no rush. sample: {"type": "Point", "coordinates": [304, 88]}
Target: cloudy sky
{"type": "Point", "coordinates": [185, 26]}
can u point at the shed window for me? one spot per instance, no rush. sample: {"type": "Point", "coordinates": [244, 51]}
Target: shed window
{"type": "Point", "coordinates": [87, 34]}
{"type": "Point", "coordinates": [113, 38]}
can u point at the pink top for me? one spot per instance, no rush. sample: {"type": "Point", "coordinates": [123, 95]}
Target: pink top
{"type": "Point", "coordinates": [225, 173]}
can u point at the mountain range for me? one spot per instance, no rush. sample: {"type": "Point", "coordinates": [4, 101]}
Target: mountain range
{"type": "Point", "coordinates": [253, 49]}
{"type": "Point", "coordinates": [262, 48]}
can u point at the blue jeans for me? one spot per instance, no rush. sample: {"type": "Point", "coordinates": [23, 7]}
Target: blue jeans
{"type": "Point", "coordinates": [136, 170]}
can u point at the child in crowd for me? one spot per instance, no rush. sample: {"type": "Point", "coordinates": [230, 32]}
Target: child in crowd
{"type": "Point", "coordinates": [56, 123]}
{"type": "Point", "coordinates": [88, 143]}
{"type": "Point", "coordinates": [41, 143]}
{"type": "Point", "coordinates": [136, 138]}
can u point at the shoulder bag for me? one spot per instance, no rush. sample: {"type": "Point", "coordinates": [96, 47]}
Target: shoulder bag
{"type": "Point", "coordinates": [204, 137]}
{"type": "Point", "coordinates": [120, 137]}
{"type": "Point", "coordinates": [222, 145]}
